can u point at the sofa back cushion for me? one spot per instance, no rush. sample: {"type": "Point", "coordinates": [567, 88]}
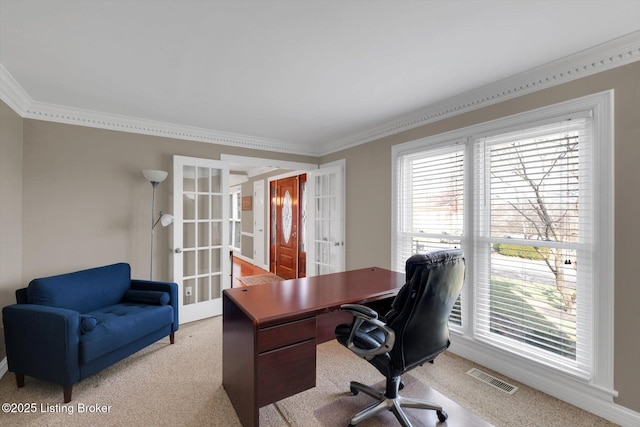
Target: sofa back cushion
{"type": "Point", "coordinates": [82, 291]}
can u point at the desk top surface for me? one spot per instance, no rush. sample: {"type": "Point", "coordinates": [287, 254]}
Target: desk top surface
{"type": "Point", "coordinates": [288, 299]}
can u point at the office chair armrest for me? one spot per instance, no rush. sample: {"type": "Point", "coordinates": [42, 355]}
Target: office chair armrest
{"type": "Point", "coordinates": [366, 312]}
{"type": "Point", "coordinates": [363, 314]}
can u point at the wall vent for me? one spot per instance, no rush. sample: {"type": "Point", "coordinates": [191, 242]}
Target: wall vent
{"type": "Point", "coordinates": [492, 381]}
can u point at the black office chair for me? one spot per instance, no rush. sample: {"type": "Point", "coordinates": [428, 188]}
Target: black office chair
{"type": "Point", "coordinates": [413, 332]}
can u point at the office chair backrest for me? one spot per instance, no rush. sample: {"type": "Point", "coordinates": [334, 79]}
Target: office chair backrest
{"type": "Point", "coordinates": [420, 313]}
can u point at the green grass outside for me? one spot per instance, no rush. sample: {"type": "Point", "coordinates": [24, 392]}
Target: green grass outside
{"type": "Point", "coordinates": [528, 320]}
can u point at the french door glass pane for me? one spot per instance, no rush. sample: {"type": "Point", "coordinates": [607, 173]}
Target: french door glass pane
{"type": "Point", "coordinates": [188, 263]}
{"type": "Point", "coordinates": [216, 286]}
{"type": "Point", "coordinates": [203, 261]}
{"type": "Point", "coordinates": [216, 206]}
{"type": "Point", "coordinates": [204, 293]}
{"type": "Point", "coordinates": [189, 235]}
{"type": "Point", "coordinates": [188, 207]}
{"type": "Point", "coordinates": [216, 181]}
{"type": "Point", "coordinates": [203, 206]}
{"type": "Point", "coordinates": [188, 180]}
{"type": "Point", "coordinates": [203, 234]}
{"type": "Point", "coordinates": [237, 232]}
{"type": "Point", "coordinates": [216, 233]}
{"type": "Point", "coordinates": [216, 259]}
{"type": "Point", "coordinates": [203, 180]}
{"type": "Point", "coordinates": [303, 216]}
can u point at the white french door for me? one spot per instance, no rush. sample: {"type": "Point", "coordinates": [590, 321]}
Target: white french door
{"type": "Point", "coordinates": [325, 210]}
{"type": "Point", "coordinates": [258, 224]}
{"type": "Point", "coordinates": [201, 261]}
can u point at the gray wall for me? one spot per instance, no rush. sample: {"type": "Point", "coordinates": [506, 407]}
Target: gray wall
{"type": "Point", "coordinates": [10, 209]}
{"type": "Point", "coordinates": [369, 166]}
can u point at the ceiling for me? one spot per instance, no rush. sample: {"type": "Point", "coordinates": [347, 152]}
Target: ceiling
{"type": "Point", "coordinates": [298, 76]}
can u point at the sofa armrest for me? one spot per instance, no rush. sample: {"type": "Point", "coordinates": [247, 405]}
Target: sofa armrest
{"type": "Point", "coordinates": [42, 342]}
{"type": "Point", "coordinates": [170, 287]}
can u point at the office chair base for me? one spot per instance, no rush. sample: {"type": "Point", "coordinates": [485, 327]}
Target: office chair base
{"type": "Point", "coordinates": [393, 404]}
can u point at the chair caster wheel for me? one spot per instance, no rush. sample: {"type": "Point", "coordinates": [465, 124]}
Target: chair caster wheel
{"type": "Point", "coordinates": [401, 386]}
{"type": "Point", "coordinates": [442, 416]}
{"type": "Point", "coordinates": [355, 392]}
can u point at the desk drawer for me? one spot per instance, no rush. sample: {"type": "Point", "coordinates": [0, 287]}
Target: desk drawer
{"type": "Point", "coordinates": [286, 334]}
{"type": "Point", "coordinates": [285, 372]}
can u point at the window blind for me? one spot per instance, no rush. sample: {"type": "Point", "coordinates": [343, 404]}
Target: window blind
{"type": "Point", "coordinates": [430, 204]}
{"type": "Point", "coordinates": [533, 240]}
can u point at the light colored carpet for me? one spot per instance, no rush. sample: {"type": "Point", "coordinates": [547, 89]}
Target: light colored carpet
{"type": "Point", "coordinates": [181, 385]}
{"type": "Point", "coordinates": [260, 279]}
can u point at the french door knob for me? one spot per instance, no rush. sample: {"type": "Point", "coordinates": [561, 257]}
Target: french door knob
{"type": "Point", "coordinates": [178, 250]}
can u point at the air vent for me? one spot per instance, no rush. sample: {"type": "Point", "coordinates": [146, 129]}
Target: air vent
{"type": "Point", "coordinates": [492, 381]}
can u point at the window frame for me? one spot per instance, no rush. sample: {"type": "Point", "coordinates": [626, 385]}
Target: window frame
{"type": "Point", "coordinates": [235, 217]}
{"type": "Point", "coordinates": [537, 373]}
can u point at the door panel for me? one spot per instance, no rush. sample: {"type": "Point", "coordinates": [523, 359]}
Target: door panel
{"type": "Point", "coordinates": [302, 226]}
{"type": "Point", "coordinates": [326, 249]}
{"type": "Point", "coordinates": [273, 205]}
{"type": "Point", "coordinates": [287, 228]}
{"type": "Point", "coordinates": [201, 264]}
{"type": "Point", "coordinates": [258, 224]}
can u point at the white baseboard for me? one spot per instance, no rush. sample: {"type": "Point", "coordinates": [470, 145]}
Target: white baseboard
{"type": "Point", "coordinates": [3, 367]}
{"type": "Point", "coordinates": [592, 399]}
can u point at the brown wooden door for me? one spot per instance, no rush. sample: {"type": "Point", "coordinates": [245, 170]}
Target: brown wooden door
{"type": "Point", "coordinates": [273, 204]}
{"type": "Point", "coordinates": [302, 232]}
{"type": "Point", "coordinates": [287, 228]}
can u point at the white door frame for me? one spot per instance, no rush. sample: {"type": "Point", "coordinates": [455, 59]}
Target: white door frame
{"type": "Point", "coordinates": [336, 245]}
{"type": "Point", "coordinates": [259, 224]}
{"type": "Point", "coordinates": [213, 279]}
{"type": "Point", "coordinates": [299, 167]}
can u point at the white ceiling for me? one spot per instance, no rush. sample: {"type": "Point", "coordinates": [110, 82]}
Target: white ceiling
{"type": "Point", "coordinates": [303, 76]}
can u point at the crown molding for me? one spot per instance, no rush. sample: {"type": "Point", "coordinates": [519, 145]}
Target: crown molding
{"type": "Point", "coordinates": [56, 113]}
{"type": "Point", "coordinates": [13, 94]}
{"type": "Point", "coordinates": [612, 54]}
{"type": "Point", "coordinates": [19, 100]}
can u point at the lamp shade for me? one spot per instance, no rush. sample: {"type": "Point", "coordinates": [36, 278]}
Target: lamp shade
{"type": "Point", "coordinates": [155, 175]}
{"type": "Point", "coordinates": [166, 219]}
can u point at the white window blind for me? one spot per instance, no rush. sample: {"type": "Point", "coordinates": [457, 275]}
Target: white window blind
{"type": "Point", "coordinates": [430, 204]}
{"type": "Point", "coordinates": [533, 242]}
{"type": "Point", "coordinates": [235, 218]}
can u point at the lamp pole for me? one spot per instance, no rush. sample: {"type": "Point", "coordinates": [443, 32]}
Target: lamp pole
{"type": "Point", "coordinates": [153, 217]}
{"type": "Point", "coordinates": [155, 177]}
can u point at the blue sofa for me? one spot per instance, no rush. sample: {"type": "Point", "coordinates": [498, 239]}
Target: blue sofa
{"type": "Point", "coordinates": [67, 327]}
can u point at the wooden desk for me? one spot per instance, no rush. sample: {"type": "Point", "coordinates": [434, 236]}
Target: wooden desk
{"type": "Point", "coordinates": [270, 332]}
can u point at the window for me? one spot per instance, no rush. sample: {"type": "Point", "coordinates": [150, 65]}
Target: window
{"type": "Point", "coordinates": [235, 218]}
{"type": "Point", "coordinates": [527, 198]}
{"type": "Point", "coordinates": [431, 203]}
{"type": "Point", "coordinates": [533, 241]}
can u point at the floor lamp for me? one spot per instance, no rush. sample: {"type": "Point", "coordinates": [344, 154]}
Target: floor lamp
{"type": "Point", "coordinates": [155, 177]}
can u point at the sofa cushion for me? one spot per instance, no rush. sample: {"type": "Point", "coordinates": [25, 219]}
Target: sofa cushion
{"type": "Point", "coordinates": [87, 323]}
{"type": "Point", "coordinates": [121, 324]}
{"type": "Point", "coordinates": [146, 297]}
{"type": "Point", "coordinates": [82, 291]}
